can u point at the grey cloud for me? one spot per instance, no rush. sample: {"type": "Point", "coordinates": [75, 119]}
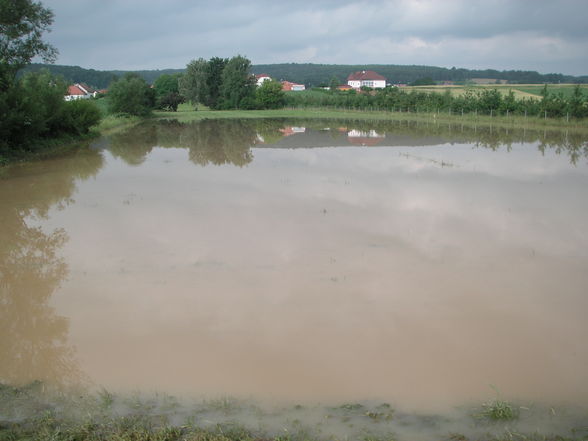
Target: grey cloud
{"type": "Point", "coordinates": [541, 35]}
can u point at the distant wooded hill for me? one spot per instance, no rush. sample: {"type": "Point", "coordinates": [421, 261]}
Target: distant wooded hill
{"type": "Point", "coordinates": [317, 74]}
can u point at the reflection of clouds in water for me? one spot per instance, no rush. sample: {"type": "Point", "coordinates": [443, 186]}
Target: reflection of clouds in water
{"type": "Point", "coordinates": [488, 203]}
{"type": "Point", "coordinates": [522, 162]}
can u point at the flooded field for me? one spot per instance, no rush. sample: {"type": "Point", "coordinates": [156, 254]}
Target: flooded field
{"type": "Point", "coordinates": [413, 266]}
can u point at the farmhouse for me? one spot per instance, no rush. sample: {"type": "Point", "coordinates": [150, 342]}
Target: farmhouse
{"type": "Point", "coordinates": [260, 78]}
{"type": "Point", "coordinates": [366, 78]}
{"type": "Point", "coordinates": [79, 91]}
{"type": "Point", "coordinates": [287, 85]}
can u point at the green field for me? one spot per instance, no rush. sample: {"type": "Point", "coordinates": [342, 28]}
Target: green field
{"type": "Point", "coordinates": [520, 90]}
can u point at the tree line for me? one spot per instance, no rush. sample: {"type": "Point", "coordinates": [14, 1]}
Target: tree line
{"type": "Point", "coordinates": [313, 75]}
{"type": "Point", "coordinates": [484, 102]}
{"type": "Point", "coordinates": [218, 84]}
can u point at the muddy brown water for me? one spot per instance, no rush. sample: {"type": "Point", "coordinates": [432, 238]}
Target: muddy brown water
{"type": "Point", "coordinates": [305, 261]}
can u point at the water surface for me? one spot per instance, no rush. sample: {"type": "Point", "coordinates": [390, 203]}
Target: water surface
{"type": "Point", "coordinates": [307, 261]}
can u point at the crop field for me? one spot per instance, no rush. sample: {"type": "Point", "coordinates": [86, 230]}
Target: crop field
{"type": "Point", "coordinates": [520, 90]}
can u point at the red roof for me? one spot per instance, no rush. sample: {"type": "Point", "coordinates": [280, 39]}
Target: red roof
{"type": "Point", "coordinates": [75, 90]}
{"type": "Point", "coordinates": [258, 76]}
{"type": "Point", "coordinates": [287, 85]}
{"type": "Point", "coordinates": [365, 75]}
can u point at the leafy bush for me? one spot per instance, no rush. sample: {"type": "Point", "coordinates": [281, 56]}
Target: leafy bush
{"type": "Point", "coordinates": [78, 116]}
{"type": "Point", "coordinates": [131, 95]}
{"type": "Point", "coordinates": [270, 95]}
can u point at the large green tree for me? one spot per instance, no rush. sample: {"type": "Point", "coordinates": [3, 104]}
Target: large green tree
{"type": "Point", "coordinates": [131, 95]}
{"type": "Point", "coordinates": [193, 84]}
{"type": "Point", "coordinates": [214, 73]}
{"type": "Point", "coordinates": [202, 81]}
{"type": "Point", "coordinates": [167, 94]}
{"type": "Point", "coordinates": [238, 85]}
{"type": "Point", "coordinates": [32, 108]}
{"type": "Point", "coordinates": [22, 24]}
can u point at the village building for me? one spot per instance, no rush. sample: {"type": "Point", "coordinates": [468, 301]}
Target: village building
{"type": "Point", "coordinates": [80, 91]}
{"type": "Point", "coordinates": [287, 86]}
{"type": "Point", "coordinates": [366, 78]}
{"type": "Point", "coordinates": [261, 78]}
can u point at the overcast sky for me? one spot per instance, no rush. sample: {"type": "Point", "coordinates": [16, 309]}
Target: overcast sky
{"type": "Point", "coordinates": [543, 35]}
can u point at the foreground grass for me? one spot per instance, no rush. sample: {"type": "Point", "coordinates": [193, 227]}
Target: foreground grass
{"type": "Point", "coordinates": [32, 413]}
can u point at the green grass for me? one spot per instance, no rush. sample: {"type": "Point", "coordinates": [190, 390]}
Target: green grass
{"type": "Point", "coordinates": [520, 90]}
{"type": "Point", "coordinates": [567, 90]}
{"type": "Point", "coordinates": [34, 413]}
{"type": "Point", "coordinates": [185, 113]}
{"type": "Point", "coordinates": [499, 410]}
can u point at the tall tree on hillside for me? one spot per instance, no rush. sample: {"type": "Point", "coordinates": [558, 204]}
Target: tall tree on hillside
{"type": "Point", "coordinates": [22, 23]}
{"type": "Point", "coordinates": [238, 85]}
{"type": "Point", "coordinates": [193, 85]}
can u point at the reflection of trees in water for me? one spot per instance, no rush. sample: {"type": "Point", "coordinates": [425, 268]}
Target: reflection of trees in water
{"type": "Point", "coordinates": [33, 338]}
{"type": "Point", "coordinates": [220, 141]}
{"type": "Point", "coordinates": [214, 142]}
{"type": "Point", "coordinates": [133, 145]}
{"type": "Point", "coordinates": [572, 143]}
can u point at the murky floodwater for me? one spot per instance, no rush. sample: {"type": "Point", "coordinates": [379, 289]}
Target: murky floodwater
{"type": "Point", "coordinates": [416, 264]}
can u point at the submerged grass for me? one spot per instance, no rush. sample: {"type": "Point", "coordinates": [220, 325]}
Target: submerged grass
{"type": "Point", "coordinates": [33, 413]}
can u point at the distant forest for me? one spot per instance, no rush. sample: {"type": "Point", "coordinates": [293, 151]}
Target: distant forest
{"type": "Point", "coordinates": [313, 75]}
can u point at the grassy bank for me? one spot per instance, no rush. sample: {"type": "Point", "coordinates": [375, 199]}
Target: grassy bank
{"type": "Point", "coordinates": [33, 412]}
{"type": "Point", "coordinates": [186, 113]}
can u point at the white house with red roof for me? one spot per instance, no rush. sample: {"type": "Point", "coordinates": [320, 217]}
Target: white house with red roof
{"type": "Point", "coordinates": [366, 78]}
{"type": "Point", "coordinates": [261, 78]}
{"type": "Point", "coordinates": [79, 91]}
